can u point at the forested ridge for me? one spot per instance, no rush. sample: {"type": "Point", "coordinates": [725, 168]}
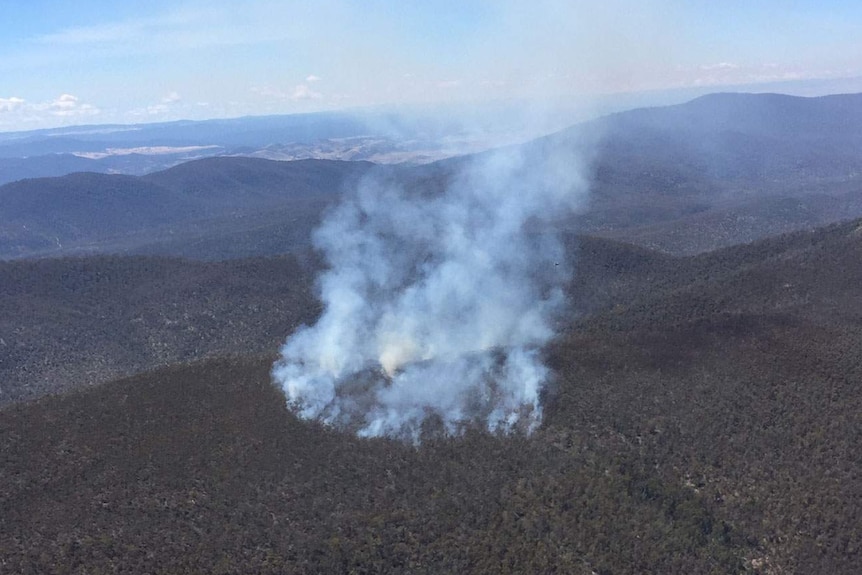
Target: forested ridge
{"type": "Point", "coordinates": [703, 418]}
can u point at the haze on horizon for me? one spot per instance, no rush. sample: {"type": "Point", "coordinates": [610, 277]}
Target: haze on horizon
{"type": "Point", "coordinates": [96, 62]}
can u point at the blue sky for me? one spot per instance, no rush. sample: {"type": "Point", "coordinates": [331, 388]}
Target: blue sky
{"type": "Point", "coordinates": [93, 61]}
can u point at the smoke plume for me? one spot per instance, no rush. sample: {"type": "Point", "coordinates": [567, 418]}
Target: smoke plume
{"type": "Point", "coordinates": [436, 303]}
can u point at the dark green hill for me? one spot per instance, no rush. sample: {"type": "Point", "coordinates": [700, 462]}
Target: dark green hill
{"type": "Point", "coordinates": [12, 169]}
{"type": "Point", "coordinates": [52, 213]}
{"type": "Point", "coordinates": [704, 420]}
{"type": "Point", "coordinates": [273, 232]}
{"type": "Point", "coordinates": [241, 184]}
{"type": "Point", "coordinates": [70, 322]}
{"type": "Point", "coordinates": [738, 137]}
{"type": "Point", "coordinates": [722, 169]}
{"type": "Point", "coordinates": [89, 212]}
{"type": "Point", "coordinates": [739, 377]}
{"type": "Point", "coordinates": [74, 322]}
{"type": "Point", "coordinates": [201, 469]}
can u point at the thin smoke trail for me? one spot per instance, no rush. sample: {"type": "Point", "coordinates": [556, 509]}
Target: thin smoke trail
{"type": "Point", "coordinates": [436, 305]}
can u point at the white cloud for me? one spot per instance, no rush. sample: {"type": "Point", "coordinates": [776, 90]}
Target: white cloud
{"type": "Point", "coordinates": [104, 33]}
{"type": "Point", "coordinates": [720, 66]}
{"type": "Point", "coordinates": [11, 104]}
{"type": "Point", "coordinates": [67, 105]}
{"type": "Point", "coordinates": [268, 92]}
{"type": "Point", "coordinates": [146, 33]}
{"type": "Point", "coordinates": [64, 105]}
{"type": "Point", "coordinates": [157, 109]}
{"type": "Point", "coordinates": [304, 92]}
{"type": "Point", "coordinates": [299, 92]}
{"type": "Point", "coordinates": [729, 74]}
{"type": "Point", "coordinates": [191, 25]}
{"type": "Point", "coordinates": [318, 55]}
{"type": "Point", "coordinates": [64, 109]}
{"type": "Point", "coordinates": [171, 98]}
{"type": "Point", "coordinates": [170, 105]}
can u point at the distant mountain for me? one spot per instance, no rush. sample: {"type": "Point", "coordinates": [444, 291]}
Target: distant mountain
{"type": "Point", "coordinates": [252, 182]}
{"type": "Point", "coordinates": [12, 169]}
{"type": "Point", "coordinates": [384, 136]}
{"type": "Point", "coordinates": [724, 169]}
{"type": "Point", "coordinates": [716, 171]}
{"type": "Point", "coordinates": [768, 138]}
{"type": "Point", "coordinates": [85, 212]}
{"type": "Point", "coordinates": [246, 131]}
{"type": "Point", "coordinates": [145, 148]}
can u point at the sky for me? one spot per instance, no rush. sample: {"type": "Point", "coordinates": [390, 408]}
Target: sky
{"type": "Point", "coordinates": [95, 61]}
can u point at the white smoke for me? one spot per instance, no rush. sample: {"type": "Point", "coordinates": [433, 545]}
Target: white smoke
{"type": "Point", "coordinates": [436, 303]}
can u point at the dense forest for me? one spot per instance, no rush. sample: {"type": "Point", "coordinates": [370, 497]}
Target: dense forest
{"type": "Point", "coordinates": [702, 419]}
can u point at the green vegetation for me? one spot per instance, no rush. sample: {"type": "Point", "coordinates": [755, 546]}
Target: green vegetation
{"type": "Point", "coordinates": [202, 469]}
{"type": "Point", "coordinates": [77, 321]}
{"type": "Point", "coordinates": [704, 419]}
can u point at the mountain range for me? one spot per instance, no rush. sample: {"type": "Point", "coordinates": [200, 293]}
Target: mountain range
{"type": "Point", "coordinates": [400, 135]}
{"type": "Point", "coordinates": [703, 414]}
{"type": "Point", "coordinates": [719, 170]}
